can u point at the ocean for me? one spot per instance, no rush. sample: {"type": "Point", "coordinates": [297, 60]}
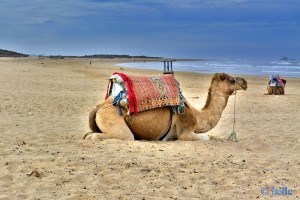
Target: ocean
{"type": "Point", "coordinates": [284, 68]}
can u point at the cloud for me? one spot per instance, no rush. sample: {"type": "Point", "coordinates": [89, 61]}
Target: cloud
{"type": "Point", "coordinates": [134, 25]}
{"type": "Point", "coordinates": [45, 11]}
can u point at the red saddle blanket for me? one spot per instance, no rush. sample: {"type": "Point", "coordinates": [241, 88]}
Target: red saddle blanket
{"type": "Point", "coordinates": [148, 92]}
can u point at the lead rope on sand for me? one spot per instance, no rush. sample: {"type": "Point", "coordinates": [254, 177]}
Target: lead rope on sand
{"type": "Point", "coordinates": [233, 134]}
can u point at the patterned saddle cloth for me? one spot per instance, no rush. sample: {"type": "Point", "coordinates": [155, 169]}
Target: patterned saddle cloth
{"type": "Point", "coordinates": [147, 92]}
{"type": "Point", "coordinates": [275, 80]}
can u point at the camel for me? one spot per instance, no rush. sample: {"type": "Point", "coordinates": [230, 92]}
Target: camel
{"type": "Point", "coordinates": [276, 90]}
{"type": "Point", "coordinates": [276, 85]}
{"type": "Point", "coordinates": [162, 123]}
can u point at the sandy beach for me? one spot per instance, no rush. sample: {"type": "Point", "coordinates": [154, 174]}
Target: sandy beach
{"type": "Point", "coordinates": [44, 108]}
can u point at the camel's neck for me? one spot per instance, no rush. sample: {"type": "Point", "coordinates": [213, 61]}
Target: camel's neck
{"type": "Point", "coordinates": [209, 116]}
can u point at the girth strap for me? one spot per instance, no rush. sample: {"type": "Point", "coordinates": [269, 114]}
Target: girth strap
{"type": "Point", "coordinates": [170, 125]}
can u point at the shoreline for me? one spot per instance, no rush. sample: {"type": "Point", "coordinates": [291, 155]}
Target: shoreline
{"type": "Point", "coordinates": [44, 106]}
{"type": "Point", "coordinates": [211, 67]}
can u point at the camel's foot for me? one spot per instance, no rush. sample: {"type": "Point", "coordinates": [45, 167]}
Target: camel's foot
{"type": "Point", "coordinates": [202, 137]}
{"type": "Point", "coordinates": [83, 137]}
{"type": "Point", "coordinates": [101, 136]}
{"type": "Point", "coordinates": [94, 136]}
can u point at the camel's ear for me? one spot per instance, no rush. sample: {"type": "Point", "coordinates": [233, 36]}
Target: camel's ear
{"type": "Point", "coordinates": [222, 76]}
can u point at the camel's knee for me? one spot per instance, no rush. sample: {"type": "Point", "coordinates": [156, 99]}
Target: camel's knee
{"type": "Point", "coordinates": [202, 137]}
{"type": "Point", "coordinates": [186, 137]}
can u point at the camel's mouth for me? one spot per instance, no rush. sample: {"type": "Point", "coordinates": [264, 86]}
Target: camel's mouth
{"type": "Point", "coordinates": [244, 87]}
{"type": "Point", "coordinates": [241, 83]}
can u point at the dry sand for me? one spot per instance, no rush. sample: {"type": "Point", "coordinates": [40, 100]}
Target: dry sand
{"type": "Point", "coordinates": [44, 108]}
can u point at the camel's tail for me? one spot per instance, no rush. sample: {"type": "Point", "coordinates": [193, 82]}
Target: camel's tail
{"type": "Point", "coordinates": [92, 122]}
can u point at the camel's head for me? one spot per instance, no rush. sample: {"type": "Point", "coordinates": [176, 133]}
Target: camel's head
{"type": "Point", "coordinates": [228, 84]}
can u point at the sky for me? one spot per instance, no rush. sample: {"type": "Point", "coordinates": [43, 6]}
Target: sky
{"type": "Point", "coordinates": [234, 29]}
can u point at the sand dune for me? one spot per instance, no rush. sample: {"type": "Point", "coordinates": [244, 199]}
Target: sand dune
{"type": "Point", "coordinates": [44, 107]}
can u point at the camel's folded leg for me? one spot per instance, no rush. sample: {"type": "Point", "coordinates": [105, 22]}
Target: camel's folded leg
{"type": "Point", "coordinates": [280, 90]}
{"type": "Point", "coordinates": [113, 126]}
{"type": "Point", "coordinates": [113, 132]}
{"type": "Point", "coordinates": [270, 89]}
{"type": "Point", "coordinates": [123, 135]}
{"type": "Point", "coordinates": [94, 136]}
{"type": "Point", "coordinates": [191, 136]}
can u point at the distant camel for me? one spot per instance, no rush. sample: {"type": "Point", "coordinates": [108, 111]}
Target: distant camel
{"type": "Point", "coordinates": [277, 90]}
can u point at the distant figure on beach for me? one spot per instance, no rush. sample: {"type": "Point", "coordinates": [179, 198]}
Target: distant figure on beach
{"type": "Point", "coordinates": [276, 85]}
{"type": "Point", "coordinates": [90, 63]}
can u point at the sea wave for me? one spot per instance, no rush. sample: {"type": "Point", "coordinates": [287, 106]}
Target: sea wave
{"type": "Point", "coordinates": [254, 67]}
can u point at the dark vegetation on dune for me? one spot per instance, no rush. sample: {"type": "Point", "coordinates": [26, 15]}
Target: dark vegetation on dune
{"type": "Point", "coordinates": [7, 53]}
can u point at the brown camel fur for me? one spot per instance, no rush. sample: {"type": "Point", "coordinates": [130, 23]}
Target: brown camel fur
{"type": "Point", "coordinates": [160, 123]}
{"type": "Point", "coordinates": [276, 90]}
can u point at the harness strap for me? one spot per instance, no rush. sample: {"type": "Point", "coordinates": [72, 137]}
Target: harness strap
{"type": "Point", "coordinates": [171, 119]}
{"type": "Point", "coordinates": [117, 100]}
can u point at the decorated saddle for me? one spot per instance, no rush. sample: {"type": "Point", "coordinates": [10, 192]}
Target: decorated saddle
{"type": "Point", "coordinates": [275, 80]}
{"type": "Point", "coordinates": [139, 93]}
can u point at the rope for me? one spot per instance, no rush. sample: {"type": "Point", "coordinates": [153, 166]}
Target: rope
{"type": "Point", "coordinates": [117, 101]}
{"type": "Point", "coordinates": [233, 134]}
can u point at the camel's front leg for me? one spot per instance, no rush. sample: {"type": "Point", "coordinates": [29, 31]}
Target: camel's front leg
{"type": "Point", "coordinates": [185, 127]}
